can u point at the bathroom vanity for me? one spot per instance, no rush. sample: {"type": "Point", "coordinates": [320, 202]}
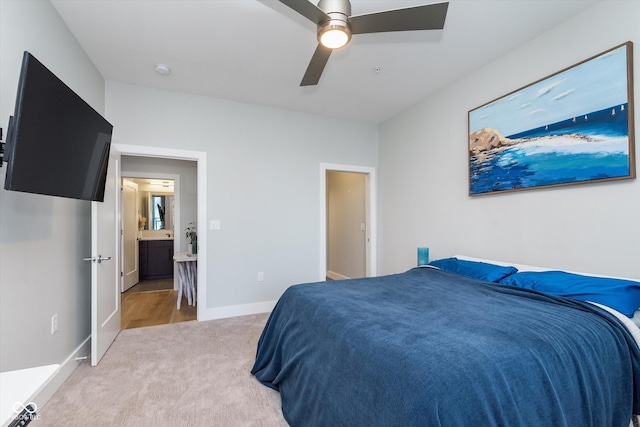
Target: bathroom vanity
{"type": "Point", "coordinates": [156, 259]}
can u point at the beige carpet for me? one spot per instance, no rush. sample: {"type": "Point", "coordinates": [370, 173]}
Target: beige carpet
{"type": "Point", "coordinates": [182, 374]}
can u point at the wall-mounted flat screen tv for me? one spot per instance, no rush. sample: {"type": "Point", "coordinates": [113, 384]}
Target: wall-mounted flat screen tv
{"type": "Point", "coordinates": [57, 144]}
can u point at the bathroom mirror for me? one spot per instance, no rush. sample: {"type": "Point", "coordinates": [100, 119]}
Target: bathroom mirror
{"type": "Point", "coordinates": [156, 205]}
{"type": "Point", "coordinates": [160, 212]}
{"type": "Point", "coordinates": [160, 208]}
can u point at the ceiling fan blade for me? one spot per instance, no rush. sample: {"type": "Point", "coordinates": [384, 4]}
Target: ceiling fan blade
{"type": "Point", "coordinates": [316, 66]}
{"type": "Point", "coordinates": [426, 17]}
{"type": "Point", "coordinates": [307, 9]}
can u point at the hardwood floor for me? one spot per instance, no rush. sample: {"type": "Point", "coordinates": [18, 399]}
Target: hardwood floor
{"type": "Point", "coordinates": [151, 285]}
{"type": "Point", "coordinates": [154, 308]}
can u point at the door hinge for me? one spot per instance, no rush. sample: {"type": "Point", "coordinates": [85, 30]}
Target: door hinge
{"type": "Point", "coordinates": [121, 273]}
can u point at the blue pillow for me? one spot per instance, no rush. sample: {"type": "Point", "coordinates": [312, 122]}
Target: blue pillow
{"type": "Point", "coordinates": [479, 270]}
{"type": "Point", "coordinates": [621, 295]}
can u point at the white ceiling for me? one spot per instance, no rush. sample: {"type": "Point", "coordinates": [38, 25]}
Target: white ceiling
{"type": "Point", "coordinates": [256, 51]}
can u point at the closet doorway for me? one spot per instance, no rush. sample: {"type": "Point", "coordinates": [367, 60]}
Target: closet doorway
{"type": "Point", "coordinates": [346, 225]}
{"type": "Point", "coordinates": [344, 188]}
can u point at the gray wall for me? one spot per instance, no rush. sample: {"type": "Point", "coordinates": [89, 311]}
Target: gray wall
{"type": "Point", "coordinates": [42, 238]}
{"type": "Point", "coordinates": [263, 180]}
{"type": "Point", "coordinates": [423, 170]}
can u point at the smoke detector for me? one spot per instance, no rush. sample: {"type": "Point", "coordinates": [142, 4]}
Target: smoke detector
{"type": "Point", "coordinates": [162, 69]}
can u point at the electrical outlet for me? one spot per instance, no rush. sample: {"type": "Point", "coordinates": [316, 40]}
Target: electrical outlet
{"type": "Point", "coordinates": [260, 276]}
{"type": "Point", "coordinates": [54, 324]}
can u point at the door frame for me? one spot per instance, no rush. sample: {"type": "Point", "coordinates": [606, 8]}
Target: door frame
{"type": "Point", "coordinates": [176, 197]}
{"type": "Point", "coordinates": [200, 157]}
{"type": "Point", "coordinates": [371, 207]}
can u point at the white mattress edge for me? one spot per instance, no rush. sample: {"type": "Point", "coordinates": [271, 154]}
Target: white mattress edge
{"type": "Point", "coordinates": [632, 327]}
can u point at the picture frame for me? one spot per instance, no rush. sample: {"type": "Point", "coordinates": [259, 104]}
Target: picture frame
{"type": "Point", "coordinates": [575, 126]}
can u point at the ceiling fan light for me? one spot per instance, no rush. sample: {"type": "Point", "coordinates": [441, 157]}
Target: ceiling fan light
{"type": "Point", "coordinates": [334, 38]}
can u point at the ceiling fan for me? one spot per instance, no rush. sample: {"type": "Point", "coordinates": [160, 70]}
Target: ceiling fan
{"type": "Point", "coordinates": [336, 25]}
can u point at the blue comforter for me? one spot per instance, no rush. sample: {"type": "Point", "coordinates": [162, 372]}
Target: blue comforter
{"type": "Point", "coordinates": [432, 348]}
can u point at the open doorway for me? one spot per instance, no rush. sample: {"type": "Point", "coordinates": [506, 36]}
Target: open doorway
{"type": "Point", "coordinates": [360, 228]}
{"type": "Point", "coordinates": [165, 202]}
{"type": "Point", "coordinates": [346, 225]}
{"type": "Point", "coordinates": [150, 211]}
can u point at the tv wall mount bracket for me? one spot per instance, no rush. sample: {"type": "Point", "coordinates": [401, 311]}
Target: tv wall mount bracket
{"type": "Point", "coordinates": [1, 148]}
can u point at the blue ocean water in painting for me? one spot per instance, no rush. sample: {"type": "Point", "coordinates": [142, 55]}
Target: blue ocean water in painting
{"type": "Point", "coordinates": [610, 122]}
{"type": "Point", "coordinates": [590, 147]}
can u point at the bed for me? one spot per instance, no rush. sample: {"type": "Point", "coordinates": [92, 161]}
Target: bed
{"type": "Point", "coordinates": [434, 347]}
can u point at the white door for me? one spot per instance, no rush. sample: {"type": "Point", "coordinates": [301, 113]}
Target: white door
{"type": "Point", "coordinates": [130, 233]}
{"type": "Point", "coordinates": [105, 272]}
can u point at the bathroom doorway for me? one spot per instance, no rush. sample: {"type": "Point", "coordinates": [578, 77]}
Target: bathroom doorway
{"type": "Point", "coordinates": [149, 213]}
{"type": "Point", "coordinates": [165, 203]}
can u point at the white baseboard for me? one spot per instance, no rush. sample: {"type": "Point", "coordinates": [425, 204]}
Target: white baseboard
{"type": "Point", "coordinates": [239, 310]}
{"type": "Point", "coordinates": [66, 369]}
{"type": "Point", "coordinates": [48, 386]}
{"type": "Point", "coordinates": [335, 276]}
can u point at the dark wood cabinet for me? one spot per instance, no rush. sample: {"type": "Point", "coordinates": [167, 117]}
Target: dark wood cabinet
{"type": "Point", "coordinates": [156, 259]}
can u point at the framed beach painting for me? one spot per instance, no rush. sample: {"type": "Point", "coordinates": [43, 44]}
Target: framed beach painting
{"type": "Point", "coordinates": [573, 127]}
